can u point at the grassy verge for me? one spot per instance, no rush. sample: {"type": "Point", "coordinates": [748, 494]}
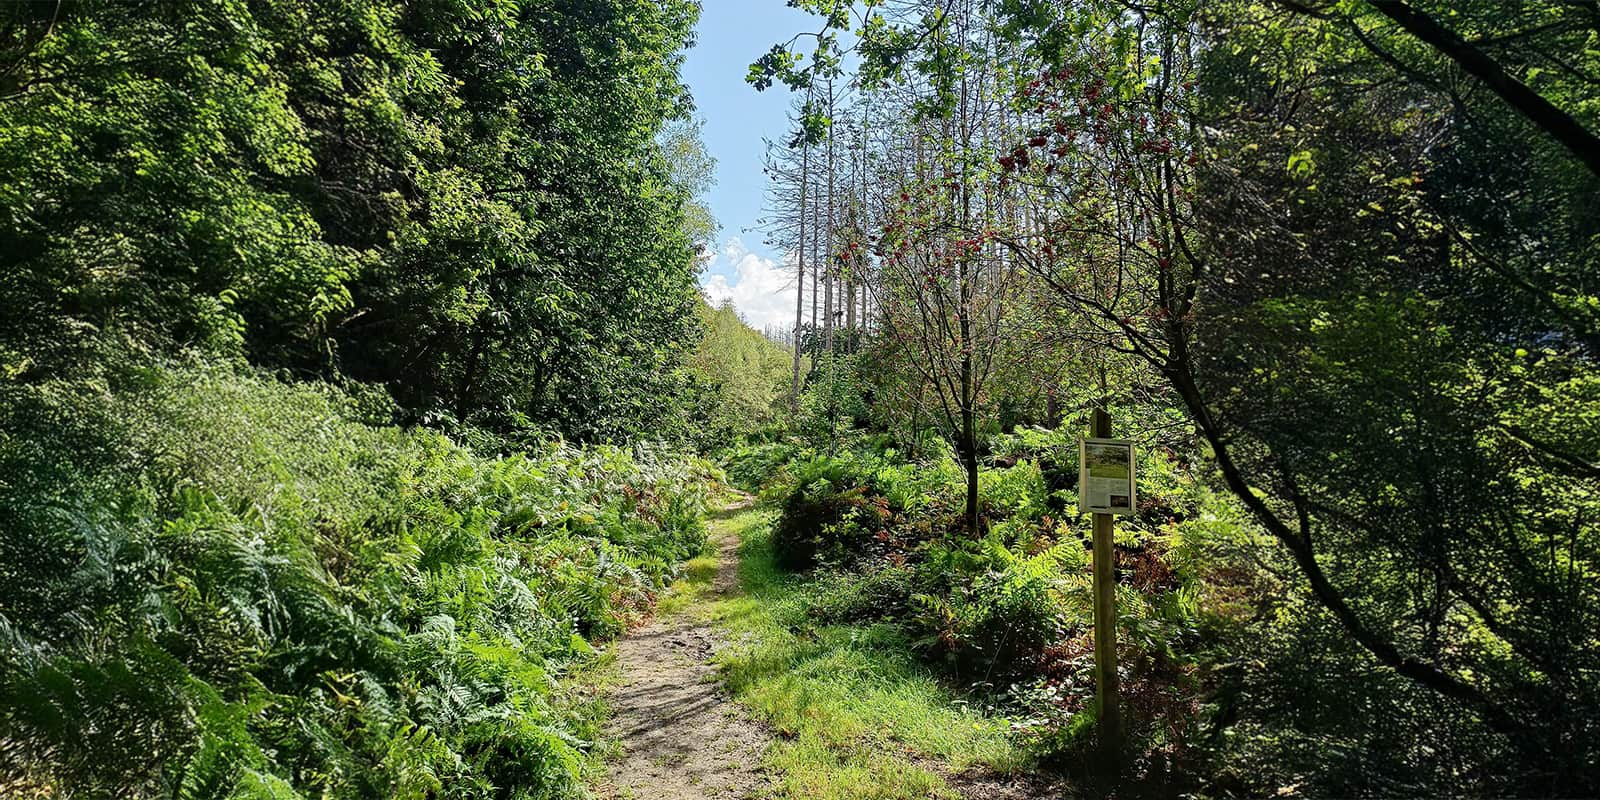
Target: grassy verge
{"type": "Point", "coordinates": [584, 690]}
{"type": "Point", "coordinates": [692, 585]}
{"type": "Point", "coordinates": [856, 715]}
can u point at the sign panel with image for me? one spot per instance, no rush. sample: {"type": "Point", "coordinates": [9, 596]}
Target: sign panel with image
{"type": "Point", "coordinates": [1106, 476]}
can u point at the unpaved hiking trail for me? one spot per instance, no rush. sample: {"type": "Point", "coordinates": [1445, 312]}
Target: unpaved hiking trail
{"type": "Point", "coordinates": [682, 737]}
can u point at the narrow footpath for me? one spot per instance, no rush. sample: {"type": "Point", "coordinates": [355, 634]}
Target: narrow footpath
{"type": "Point", "coordinates": [682, 736]}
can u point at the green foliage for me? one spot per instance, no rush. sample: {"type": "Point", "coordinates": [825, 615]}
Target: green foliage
{"type": "Point", "coordinates": [1016, 493]}
{"type": "Point", "coordinates": [1351, 245]}
{"type": "Point", "coordinates": [882, 594]}
{"type": "Point", "coordinates": [693, 171]}
{"type": "Point", "coordinates": [251, 592]}
{"type": "Point", "coordinates": [1008, 615]}
{"type": "Point", "coordinates": [835, 399]}
{"type": "Point", "coordinates": [751, 467]}
{"type": "Point", "coordinates": [1413, 303]}
{"type": "Point", "coordinates": [1001, 613]}
{"type": "Point", "coordinates": [827, 516]}
{"type": "Point", "coordinates": [858, 714]}
{"type": "Point", "coordinates": [742, 379]}
{"type": "Point", "coordinates": [855, 507]}
{"type": "Point", "coordinates": [474, 204]}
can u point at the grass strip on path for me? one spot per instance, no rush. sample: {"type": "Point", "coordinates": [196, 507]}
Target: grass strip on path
{"type": "Point", "coordinates": [858, 718]}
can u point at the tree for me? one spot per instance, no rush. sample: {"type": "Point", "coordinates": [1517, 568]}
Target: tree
{"type": "Point", "coordinates": [1297, 281]}
{"type": "Point", "coordinates": [363, 189]}
{"type": "Point", "coordinates": [788, 171]}
{"type": "Point", "coordinates": [1551, 24]}
{"type": "Point", "coordinates": [693, 172]}
{"type": "Point", "coordinates": [944, 287]}
{"type": "Point", "coordinates": [741, 377]}
{"type": "Point", "coordinates": [1367, 285]}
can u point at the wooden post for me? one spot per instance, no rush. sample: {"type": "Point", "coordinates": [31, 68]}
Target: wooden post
{"type": "Point", "coordinates": [1107, 690]}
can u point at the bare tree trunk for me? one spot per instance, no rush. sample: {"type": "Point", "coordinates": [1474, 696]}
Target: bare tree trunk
{"type": "Point", "coordinates": [800, 275]}
{"type": "Point", "coordinates": [799, 306]}
{"type": "Point", "coordinates": [816, 268]}
{"type": "Point", "coordinates": [857, 223]}
{"type": "Point", "coordinates": [849, 304]}
{"type": "Point", "coordinates": [830, 274]}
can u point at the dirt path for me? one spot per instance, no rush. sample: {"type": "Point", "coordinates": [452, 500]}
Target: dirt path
{"type": "Point", "coordinates": [682, 737]}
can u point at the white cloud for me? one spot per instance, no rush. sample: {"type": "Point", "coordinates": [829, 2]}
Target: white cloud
{"type": "Point", "coordinates": [761, 289]}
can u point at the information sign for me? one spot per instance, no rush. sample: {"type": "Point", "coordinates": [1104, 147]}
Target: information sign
{"type": "Point", "coordinates": [1106, 476]}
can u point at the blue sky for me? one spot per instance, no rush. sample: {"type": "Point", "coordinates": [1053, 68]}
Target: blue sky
{"type": "Point", "coordinates": [731, 34]}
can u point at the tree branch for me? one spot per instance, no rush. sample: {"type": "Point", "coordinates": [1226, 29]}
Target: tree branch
{"type": "Point", "coordinates": [1530, 104]}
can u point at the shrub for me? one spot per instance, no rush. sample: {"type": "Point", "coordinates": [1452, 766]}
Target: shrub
{"type": "Point", "coordinates": [834, 401]}
{"type": "Point", "coordinates": [822, 523]}
{"type": "Point", "coordinates": [1000, 621]}
{"type": "Point", "coordinates": [751, 467]}
{"type": "Point", "coordinates": [247, 590]}
{"type": "Point", "coordinates": [1032, 442]}
{"type": "Point", "coordinates": [1009, 615]}
{"type": "Point", "coordinates": [1015, 492]}
{"type": "Point", "coordinates": [880, 592]}
{"type": "Point", "coordinates": [843, 509]}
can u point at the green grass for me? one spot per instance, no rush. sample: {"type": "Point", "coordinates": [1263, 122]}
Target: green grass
{"type": "Point", "coordinates": [692, 584]}
{"type": "Point", "coordinates": [856, 716]}
{"type": "Point", "coordinates": [699, 574]}
{"type": "Point", "coordinates": [583, 693]}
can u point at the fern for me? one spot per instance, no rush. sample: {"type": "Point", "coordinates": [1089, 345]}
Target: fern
{"type": "Point", "coordinates": [265, 599]}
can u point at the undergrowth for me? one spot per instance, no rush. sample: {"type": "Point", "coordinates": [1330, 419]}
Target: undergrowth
{"type": "Point", "coordinates": [856, 712]}
{"type": "Point", "coordinates": [867, 553]}
{"type": "Point", "coordinates": [217, 584]}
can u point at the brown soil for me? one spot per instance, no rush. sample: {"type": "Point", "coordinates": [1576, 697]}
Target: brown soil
{"type": "Point", "coordinates": [681, 736]}
{"type": "Point", "coordinates": [981, 786]}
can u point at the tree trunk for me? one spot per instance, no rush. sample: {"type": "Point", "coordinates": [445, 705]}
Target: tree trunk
{"type": "Point", "coordinates": [469, 376]}
{"type": "Point", "coordinates": [849, 304]}
{"type": "Point", "coordinates": [830, 274]}
{"type": "Point", "coordinates": [816, 273]}
{"type": "Point", "coordinates": [969, 389]}
{"type": "Point", "coordinates": [969, 462]}
{"type": "Point", "coordinates": [800, 275]}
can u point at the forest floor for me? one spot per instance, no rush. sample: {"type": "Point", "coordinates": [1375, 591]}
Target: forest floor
{"type": "Point", "coordinates": [730, 691]}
